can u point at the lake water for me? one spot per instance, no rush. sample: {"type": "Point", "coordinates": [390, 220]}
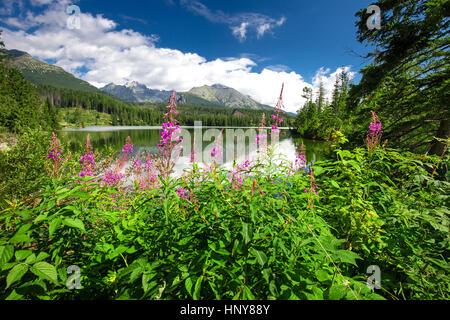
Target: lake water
{"type": "Point", "coordinates": [146, 139]}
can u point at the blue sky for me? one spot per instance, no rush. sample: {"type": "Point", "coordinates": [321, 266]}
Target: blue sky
{"type": "Point", "coordinates": [253, 46]}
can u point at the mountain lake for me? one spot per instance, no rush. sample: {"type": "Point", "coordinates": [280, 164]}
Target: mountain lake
{"type": "Point", "coordinates": [146, 139]}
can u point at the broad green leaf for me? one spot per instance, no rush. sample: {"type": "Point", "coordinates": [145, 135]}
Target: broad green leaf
{"type": "Point", "coordinates": [20, 237]}
{"type": "Point", "coordinates": [15, 274]}
{"type": "Point", "coordinates": [247, 294]}
{"type": "Point", "coordinates": [334, 184]}
{"type": "Point", "coordinates": [337, 292]}
{"type": "Point", "coordinates": [317, 170]}
{"type": "Point", "coordinates": [21, 234]}
{"type": "Point", "coordinates": [188, 283]}
{"type": "Point", "coordinates": [74, 223]}
{"type": "Point", "coordinates": [245, 233]}
{"type": "Point", "coordinates": [347, 256]}
{"type": "Point", "coordinates": [135, 273]}
{"type": "Point", "coordinates": [40, 217]}
{"type": "Point", "coordinates": [31, 259]}
{"type": "Point", "coordinates": [145, 281]}
{"type": "Point", "coordinates": [120, 249]}
{"type": "Point", "coordinates": [318, 293]}
{"type": "Point", "coordinates": [14, 296]}
{"type": "Point", "coordinates": [322, 275]}
{"type": "Point", "coordinates": [45, 270]}
{"type": "Point", "coordinates": [222, 252]}
{"type": "Point", "coordinates": [260, 256]}
{"type": "Point", "coordinates": [53, 226]}
{"type": "Point", "coordinates": [197, 289]}
{"type": "Point", "coordinates": [235, 247]}
{"type": "Point", "coordinates": [6, 253]}
{"type": "Point", "coordinates": [267, 272]}
{"type": "Point", "coordinates": [22, 254]}
{"type": "Point", "coordinates": [374, 296]}
{"type": "Point", "coordinates": [273, 288]}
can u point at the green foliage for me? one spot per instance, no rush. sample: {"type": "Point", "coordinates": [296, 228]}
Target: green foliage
{"type": "Point", "coordinates": [22, 167]}
{"type": "Point", "coordinates": [320, 119]}
{"type": "Point", "coordinates": [407, 84]}
{"type": "Point", "coordinates": [20, 106]}
{"type": "Point", "coordinates": [406, 81]}
{"type": "Point", "coordinates": [237, 243]}
{"type": "Point", "coordinates": [393, 213]}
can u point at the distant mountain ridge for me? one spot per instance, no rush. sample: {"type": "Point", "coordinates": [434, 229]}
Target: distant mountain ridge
{"type": "Point", "coordinates": [39, 72]}
{"type": "Point", "coordinates": [136, 92]}
{"type": "Point", "coordinates": [216, 95]}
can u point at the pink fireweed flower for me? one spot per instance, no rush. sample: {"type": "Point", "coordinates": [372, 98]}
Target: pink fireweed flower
{"type": "Point", "coordinates": [278, 110]}
{"type": "Point", "coordinates": [87, 161]}
{"type": "Point", "coordinates": [300, 159]}
{"type": "Point", "coordinates": [127, 150]}
{"type": "Point", "coordinates": [137, 164]}
{"type": "Point", "coordinates": [168, 143]}
{"type": "Point", "coordinates": [373, 136]}
{"type": "Point", "coordinates": [216, 151]}
{"type": "Point", "coordinates": [194, 152]}
{"type": "Point", "coordinates": [150, 179]}
{"type": "Point", "coordinates": [261, 136]}
{"type": "Point", "coordinates": [314, 190]}
{"type": "Point", "coordinates": [239, 174]}
{"type": "Point", "coordinates": [148, 163]}
{"type": "Point", "coordinates": [54, 153]}
{"type": "Point", "coordinates": [112, 178]}
{"type": "Point", "coordinates": [128, 147]}
{"type": "Point", "coordinates": [182, 193]}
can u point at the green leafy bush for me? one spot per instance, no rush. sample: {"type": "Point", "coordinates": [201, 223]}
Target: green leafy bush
{"type": "Point", "coordinates": [201, 237]}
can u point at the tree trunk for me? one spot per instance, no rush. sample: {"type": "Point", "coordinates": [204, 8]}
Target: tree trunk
{"type": "Point", "coordinates": [443, 132]}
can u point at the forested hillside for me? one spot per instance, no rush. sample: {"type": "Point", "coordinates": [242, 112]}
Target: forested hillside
{"type": "Point", "coordinates": [21, 107]}
{"type": "Point", "coordinates": [125, 113]}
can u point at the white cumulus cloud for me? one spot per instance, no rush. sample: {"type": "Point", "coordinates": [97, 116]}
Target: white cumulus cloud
{"type": "Point", "coordinates": [100, 52]}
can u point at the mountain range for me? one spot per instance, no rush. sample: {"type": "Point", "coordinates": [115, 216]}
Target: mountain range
{"type": "Point", "coordinates": [216, 95]}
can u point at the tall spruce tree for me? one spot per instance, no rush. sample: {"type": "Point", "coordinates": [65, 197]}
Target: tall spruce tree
{"type": "Point", "coordinates": [320, 101]}
{"type": "Point", "coordinates": [340, 93]}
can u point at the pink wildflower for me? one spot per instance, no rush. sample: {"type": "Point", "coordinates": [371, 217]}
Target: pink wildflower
{"type": "Point", "coordinates": [87, 161]}
{"type": "Point", "coordinates": [373, 136]}
{"type": "Point", "coordinates": [182, 193]}
{"type": "Point", "coordinates": [55, 155]}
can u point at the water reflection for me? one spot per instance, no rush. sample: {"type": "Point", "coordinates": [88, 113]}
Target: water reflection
{"type": "Point", "coordinates": [146, 139]}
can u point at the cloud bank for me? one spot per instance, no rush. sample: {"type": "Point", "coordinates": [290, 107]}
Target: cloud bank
{"type": "Point", "coordinates": [100, 52]}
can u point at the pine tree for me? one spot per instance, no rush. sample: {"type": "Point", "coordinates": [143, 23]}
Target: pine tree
{"type": "Point", "coordinates": [320, 101]}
